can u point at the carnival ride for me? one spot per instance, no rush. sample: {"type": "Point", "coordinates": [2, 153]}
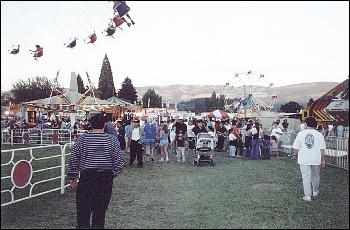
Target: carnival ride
{"type": "Point", "coordinates": [120, 10]}
{"type": "Point", "coordinates": [255, 92]}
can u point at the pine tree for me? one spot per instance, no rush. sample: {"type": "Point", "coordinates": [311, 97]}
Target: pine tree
{"type": "Point", "coordinates": [81, 87]}
{"type": "Point", "coordinates": [154, 99]}
{"type": "Point", "coordinates": [208, 104]}
{"type": "Point", "coordinates": [106, 87]}
{"type": "Point", "coordinates": [127, 92]}
{"type": "Point", "coordinates": [214, 101]}
{"type": "Point", "coordinates": [221, 102]}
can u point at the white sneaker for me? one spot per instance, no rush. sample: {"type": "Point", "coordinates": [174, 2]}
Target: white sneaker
{"type": "Point", "coordinates": [307, 198]}
{"type": "Point", "coordinates": [315, 193]}
{"type": "Point", "coordinates": [161, 159]}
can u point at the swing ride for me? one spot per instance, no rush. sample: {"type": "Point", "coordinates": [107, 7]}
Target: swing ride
{"type": "Point", "coordinates": [120, 13]}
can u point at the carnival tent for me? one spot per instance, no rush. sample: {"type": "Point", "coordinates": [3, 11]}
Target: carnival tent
{"type": "Point", "coordinates": [250, 113]}
{"type": "Point", "coordinates": [331, 106]}
{"type": "Point", "coordinates": [58, 100]}
{"type": "Point", "coordinates": [71, 97]}
{"type": "Point", "coordinates": [117, 101]}
{"type": "Point", "coordinates": [219, 114]}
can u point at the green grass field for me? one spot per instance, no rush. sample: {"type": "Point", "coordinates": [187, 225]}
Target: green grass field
{"type": "Point", "coordinates": [235, 193]}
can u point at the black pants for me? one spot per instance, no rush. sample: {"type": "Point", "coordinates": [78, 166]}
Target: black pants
{"type": "Point", "coordinates": [221, 141]}
{"type": "Point", "coordinates": [135, 150]}
{"type": "Point", "coordinates": [93, 196]}
{"type": "Point", "coordinates": [266, 153]}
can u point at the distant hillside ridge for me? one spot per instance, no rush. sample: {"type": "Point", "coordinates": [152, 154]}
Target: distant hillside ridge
{"type": "Point", "coordinates": [300, 93]}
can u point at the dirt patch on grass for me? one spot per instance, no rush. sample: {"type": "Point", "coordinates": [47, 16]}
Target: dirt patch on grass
{"type": "Point", "coordinates": [267, 186]}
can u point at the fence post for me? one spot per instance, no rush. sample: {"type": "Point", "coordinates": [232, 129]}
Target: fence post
{"type": "Point", "coordinates": [41, 137]}
{"type": "Point", "coordinates": [63, 163]}
{"type": "Point", "coordinates": [337, 151]}
{"type": "Point", "coordinates": [11, 137]}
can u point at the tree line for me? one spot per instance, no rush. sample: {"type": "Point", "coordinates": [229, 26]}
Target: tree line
{"type": "Point", "coordinates": [40, 87]}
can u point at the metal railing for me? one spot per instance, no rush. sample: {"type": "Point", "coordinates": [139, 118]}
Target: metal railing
{"type": "Point", "coordinates": [337, 152]}
{"type": "Point", "coordinates": [337, 149]}
{"type": "Point", "coordinates": [24, 153]}
{"type": "Point", "coordinates": [38, 136]}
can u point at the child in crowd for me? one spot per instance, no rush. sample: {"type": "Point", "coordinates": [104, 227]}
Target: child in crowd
{"type": "Point", "coordinates": [211, 131]}
{"type": "Point", "coordinates": [232, 143]}
{"type": "Point", "coordinates": [180, 147]}
{"type": "Point", "coordinates": [274, 146]}
{"type": "Point", "coordinates": [172, 137]}
{"type": "Point", "coordinates": [248, 140]}
{"type": "Point", "coordinates": [240, 145]}
{"type": "Point", "coordinates": [265, 148]}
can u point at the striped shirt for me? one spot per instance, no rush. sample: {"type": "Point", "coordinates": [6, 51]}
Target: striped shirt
{"type": "Point", "coordinates": [95, 151]}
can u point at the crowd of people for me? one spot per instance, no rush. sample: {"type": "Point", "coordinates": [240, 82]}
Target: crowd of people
{"type": "Point", "coordinates": [148, 141]}
{"type": "Point", "coordinates": [52, 122]}
{"type": "Point", "coordinates": [238, 137]}
{"type": "Point", "coordinates": [98, 155]}
{"type": "Point", "coordinates": [331, 129]}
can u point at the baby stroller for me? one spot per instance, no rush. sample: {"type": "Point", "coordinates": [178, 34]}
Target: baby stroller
{"type": "Point", "coordinates": [204, 149]}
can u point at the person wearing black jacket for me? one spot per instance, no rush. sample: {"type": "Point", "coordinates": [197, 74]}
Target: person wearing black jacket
{"type": "Point", "coordinates": [221, 132]}
{"type": "Point", "coordinates": [121, 136]}
{"type": "Point", "coordinates": [199, 128]}
{"type": "Point", "coordinates": [180, 126]}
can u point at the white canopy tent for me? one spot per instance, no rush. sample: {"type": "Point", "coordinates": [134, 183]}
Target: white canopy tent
{"type": "Point", "coordinates": [70, 98]}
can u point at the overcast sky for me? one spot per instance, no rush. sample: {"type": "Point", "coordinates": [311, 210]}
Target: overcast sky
{"type": "Point", "coordinates": [179, 42]}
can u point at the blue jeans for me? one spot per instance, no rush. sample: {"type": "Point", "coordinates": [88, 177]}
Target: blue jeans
{"type": "Point", "coordinates": [241, 150]}
{"type": "Point", "coordinates": [255, 150]}
{"type": "Point", "coordinates": [247, 151]}
{"type": "Point", "coordinates": [123, 153]}
{"type": "Point", "coordinates": [232, 151]}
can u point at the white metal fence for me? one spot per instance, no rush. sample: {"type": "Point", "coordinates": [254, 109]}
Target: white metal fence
{"type": "Point", "coordinates": [7, 159]}
{"type": "Point", "coordinates": [336, 154]}
{"type": "Point", "coordinates": [337, 149]}
{"type": "Point", "coordinates": [39, 136]}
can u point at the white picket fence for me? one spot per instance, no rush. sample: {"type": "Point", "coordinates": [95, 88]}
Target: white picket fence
{"type": "Point", "coordinates": [31, 152]}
